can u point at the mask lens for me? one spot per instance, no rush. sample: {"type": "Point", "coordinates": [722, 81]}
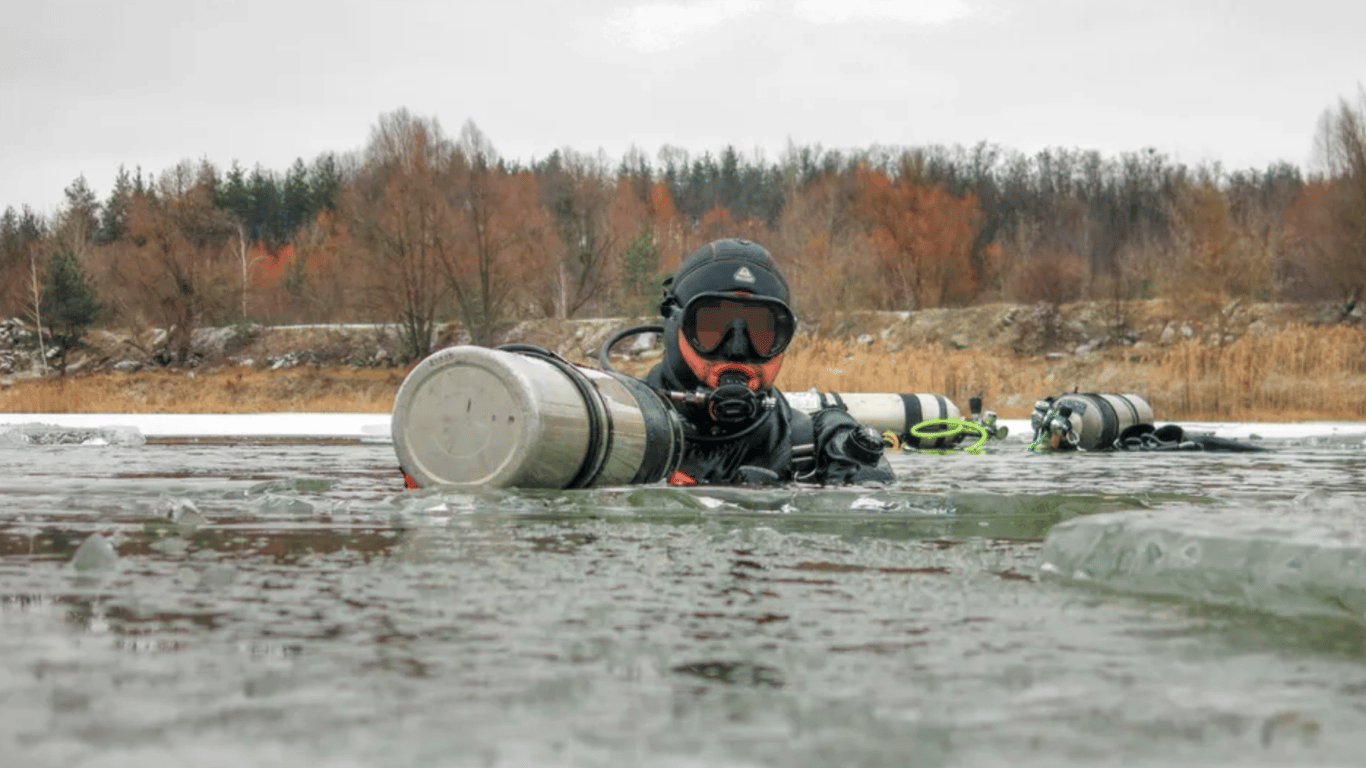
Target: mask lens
{"type": "Point", "coordinates": [710, 322]}
{"type": "Point", "coordinates": [711, 318]}
{"type": "Point", "coordinates": [760, 322]}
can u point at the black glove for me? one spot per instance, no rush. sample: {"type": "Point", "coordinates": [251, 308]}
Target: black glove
{"type": "Point", "coordinates": [848, 452]}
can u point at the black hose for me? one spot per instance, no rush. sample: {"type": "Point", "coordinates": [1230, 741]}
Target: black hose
{"type": "Point", "coordinates": [700, 438]}
{"type": "Point", "coordinates": [605, 353]}
{"type": "Point", "coordinates": [604, 362]}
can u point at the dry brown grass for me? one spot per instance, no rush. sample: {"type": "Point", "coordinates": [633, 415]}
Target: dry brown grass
{"type": "Point", "coordinates": [1301, 373]}
{"type": "Point", "coordinates": [226, 390]}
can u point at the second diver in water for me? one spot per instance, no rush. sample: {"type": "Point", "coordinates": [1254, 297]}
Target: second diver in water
{"type": "Point", "coordinates": [1106, 422]}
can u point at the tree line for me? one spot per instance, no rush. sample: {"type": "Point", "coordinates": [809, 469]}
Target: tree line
{"type": "Point", "coordinates": [420, 228]}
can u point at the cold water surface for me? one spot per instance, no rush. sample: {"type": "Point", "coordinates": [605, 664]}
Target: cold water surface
{"type": "Point", "coordinates": [290, 605]}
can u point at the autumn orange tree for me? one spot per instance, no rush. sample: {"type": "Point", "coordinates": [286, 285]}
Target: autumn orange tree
{"type": "Point", "coordinates": [819, 244]}
{"type": "Point", "coordinates": [309, 277]}
{"type": "Point", "coordinates": [921, 235]}
{"type": "Point", "coordinates": [669, 226]}
{"type": "Point", "coordinates": [418, 228]}
{"type": "Point", "coordinates": [173, 268]}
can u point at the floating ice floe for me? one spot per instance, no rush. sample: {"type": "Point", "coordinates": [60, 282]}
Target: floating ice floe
{"type": "Point", "coordinates": [52, 434]}
{"type": "Point", "coordinates": [363, 427]}
{"type": "Point", "coordinates": [1307, 559]}
{"type": "Point", "coordinates": [96, 553]}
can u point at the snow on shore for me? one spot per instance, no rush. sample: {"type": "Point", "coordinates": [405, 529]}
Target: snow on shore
{"type": "Point", "coordinates": [372, 427]}
{"type": "Point", "coordinates": [375, 427]}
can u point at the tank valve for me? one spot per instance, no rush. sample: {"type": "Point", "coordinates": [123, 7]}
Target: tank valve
{"type": "Point", "coordinates": [1058, 428]}
{"type": "Point", "coordinates": [986, 419]}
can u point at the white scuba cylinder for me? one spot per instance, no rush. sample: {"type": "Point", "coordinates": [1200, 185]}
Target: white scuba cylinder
{"type": "Point", "coordinates": [523, 417]}
{"type": "Point", "coordinates": [890, 411]}
{"type": "Point", "coordinates": [1090, 420]}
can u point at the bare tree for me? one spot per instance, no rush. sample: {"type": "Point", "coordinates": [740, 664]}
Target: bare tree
{"type": "Point", "coordinates": [818, 242]}
{"type": "Point", "coordinates": [36, 284]}
{"type": "Point", "coordinates": [1340, 146]}
{"type": "Point", "coordinates": [401, 214]}
{"type": "Point", "coordinates": [485, 255]}
{"type": "Point", "coordinates": [245, 259]}
{"type": "Point", "coordinates": [579, 191]}
{"type": "Point", "coordinates": [1218, 261]}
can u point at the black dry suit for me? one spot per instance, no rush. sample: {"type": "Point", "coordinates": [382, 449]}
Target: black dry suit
{"type": "Point", "coordinates": [1172, 437]}
{"type": "Point", "coordinates": [770, 443]}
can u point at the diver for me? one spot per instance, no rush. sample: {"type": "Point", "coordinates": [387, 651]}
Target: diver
{"type": "Point", "coordinates": [1092, 421]}
{"type": "Point", "coordinates": [726, 326]}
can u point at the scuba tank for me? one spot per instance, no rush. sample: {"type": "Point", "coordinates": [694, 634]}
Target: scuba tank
{"type": "Point", "coordinates": [904, 416]}
{"type": "Point", "coordinates": [1088, 421]}
{"type": "Point", "coordinates": [889, 412]}
{"type": "Point", "coordinates": [521, 416]}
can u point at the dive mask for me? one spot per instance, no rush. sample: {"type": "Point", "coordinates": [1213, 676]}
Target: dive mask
{"type": "Point", "coordinates": [730, 325]}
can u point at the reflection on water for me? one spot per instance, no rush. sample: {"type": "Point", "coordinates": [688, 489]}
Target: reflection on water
{"type": "Point", "coordinates": [290, 605]}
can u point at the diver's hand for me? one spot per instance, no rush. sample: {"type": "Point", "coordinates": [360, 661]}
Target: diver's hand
{"type": "Point", "coordinates": [848, 452]}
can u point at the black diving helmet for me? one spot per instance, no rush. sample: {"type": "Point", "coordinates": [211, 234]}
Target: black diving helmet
{"type": "Point", "coordinates": [733, 326]}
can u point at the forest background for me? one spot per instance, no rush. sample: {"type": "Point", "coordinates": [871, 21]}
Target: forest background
{"type": "Point", "coordinates": [420, 229]}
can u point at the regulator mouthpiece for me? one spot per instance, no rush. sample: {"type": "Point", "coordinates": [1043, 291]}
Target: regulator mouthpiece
{"type": "Point", "coordinates": [732, 402]}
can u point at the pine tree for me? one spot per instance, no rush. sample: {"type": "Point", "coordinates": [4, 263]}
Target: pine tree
{"type": "Point", "coordinates": [80, 217]}
{"type": "Point", "coordinates": [296, 205]}
{"type": "Point", "coordinates": [114, 214]}
{"type": "Point", "coordinates": [21, 237]}
{"type": "Point", "coordinates": [325, 180]}
{"type": "Point", "coordinates": [640, 273]}
{"type": "Point", "coordinates": [68, 305]}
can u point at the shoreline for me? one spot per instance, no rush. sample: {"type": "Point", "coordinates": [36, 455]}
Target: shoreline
{"type": "Point", "coordinates": [1269, 363]}
{"type": "Point", "coordinates": [177, 428]}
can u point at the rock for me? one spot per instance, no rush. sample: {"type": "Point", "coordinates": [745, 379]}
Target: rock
{"type": "Point", "coordinates": [1168, 335]}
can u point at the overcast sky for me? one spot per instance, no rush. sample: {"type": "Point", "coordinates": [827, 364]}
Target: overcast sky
{"type": "Point", "coordinates": [88, 85]}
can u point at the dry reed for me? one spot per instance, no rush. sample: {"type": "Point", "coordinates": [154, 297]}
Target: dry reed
{"type": "Point", "coordinates": [1300, 373]}
{"type": "Point", "coordinates": [227, 390]}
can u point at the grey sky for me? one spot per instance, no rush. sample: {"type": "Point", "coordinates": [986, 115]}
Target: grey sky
{"type": "Point", "coordinates": [86, 86]}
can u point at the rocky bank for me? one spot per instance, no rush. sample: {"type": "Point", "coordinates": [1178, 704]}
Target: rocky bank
{"type": "Point", "coordinates": [1131, 328]}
